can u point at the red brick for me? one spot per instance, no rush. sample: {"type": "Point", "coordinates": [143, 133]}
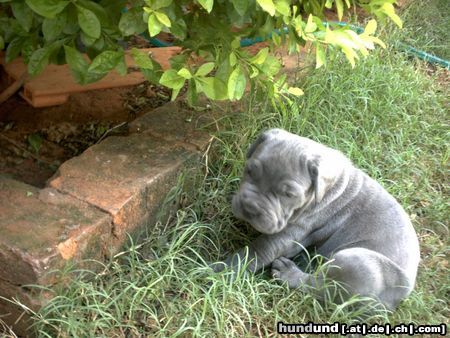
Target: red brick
{"type": "Point", "coordinates": [128, 177]}
{"type": "Point", "coordinates": [36, 227]}
{"type": "Point", "coordinates": [174, 123]}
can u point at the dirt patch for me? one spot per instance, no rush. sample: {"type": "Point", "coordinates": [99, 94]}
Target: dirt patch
{"type": "Point", "coordinates": [35, 141]}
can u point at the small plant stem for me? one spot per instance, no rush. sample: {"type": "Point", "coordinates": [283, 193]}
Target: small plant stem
{"type": "Point", "coordinates": [109, 130]}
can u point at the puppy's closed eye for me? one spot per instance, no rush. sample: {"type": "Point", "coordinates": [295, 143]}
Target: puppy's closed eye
{"type": "Point", "coordinates": [290, 190]}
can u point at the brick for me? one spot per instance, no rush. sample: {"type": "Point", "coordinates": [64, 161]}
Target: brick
{"type": "Point", "coordinates": [114, 188]}
{"type": "Point", "coordinates": [172, 122]}
{"type": "Point", "coordinates": [35, 226]}
{"type": "Point", "coordinates": [40, 230]}
{"type": "Point", "coordinates": [127, 177]}
{"type": "Point", "coordinates": [10, 312]}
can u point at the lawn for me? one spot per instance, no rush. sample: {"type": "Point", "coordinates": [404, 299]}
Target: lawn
{"type": "Point", "coordinates": [388, 114]}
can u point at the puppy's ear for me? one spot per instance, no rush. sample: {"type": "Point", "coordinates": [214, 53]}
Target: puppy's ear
{"type": "Point", "coordinates": [261, 138]}
{"type": "Point", "coordinates": [317, 180]}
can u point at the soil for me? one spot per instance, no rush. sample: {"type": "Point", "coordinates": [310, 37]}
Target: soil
{"type": "Point", "coordinates": [35, 141]}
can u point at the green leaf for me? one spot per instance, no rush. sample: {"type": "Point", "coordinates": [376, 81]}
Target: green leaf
{"type": "Point", "coordinates": [52, 28]}
{"type": "Point", "coordinates": [236, 84]}
{"type": "Point", "coordinates": [72, 26]}
{"type": "Point", "coordinates": [175, 93]}
{"type": "Point", "coordinates": [87, 40]}
{"type": "Point", "coordinates": [185, 73]}
{"type": "Point", "coordinates": [276, 39]}
{"type": "Point", "coordinates": [240, 6]}
{"type": "Point", "coordinates": [154, 25]}
{"type": "Point", "coordinates": [131, 22]}
{"type": "Point", "coordinates": [259, 58]}
{"type": "Point", "coordinates": [35, 141]}
{"type": "Point", "coordinates": [205, 69]}
{"type": "Point", "coordinates": [283, 7]}
{"type": "Point", "coordinates": [14, 48]}
{"type": "Point", "coordinates": [320, 56]}
{"type": "Point", "coordinates": [206, 4]}
{"type": "Point", "coordinates": [179, 29]}
{"type": "Point", "coordinates": [122, 67]}
{"type": "Point", "coordinates": [389, 10]}
{"type": "Point", "coordinates": [163, 18]}
{"type": "Point", "coordinates": [378, 41]}
{"type": "Point", "coordinates": [371, 27]}
{"type": "Point", "coordinates": [213, 87]}
{"type": "Point", "coordinates": [350, 54]}
{"type": "Point", "coordinates": [47, 8]}
{"type": "Point", "coordinates": [171, 79]}
{"type": "Point", "coordinates": [89, 22]}
{"type": "Point", "coordinates": [157, 4]}
{"type": "Point", "coordinates": [223, 71]}
{"type": "Point", "coordinates": [23, 14]}
{"type": "Point", "coordinates": [310, 25]}
{"type": "Point", "coordinates": [233, 59]}
{"type": "Point", "coordinates": [178, 61]}
{"type": "Point", "coordinates": [191, 93]}
{"type": "Point", "coordinates": [105, 62]}
{"type": "Point", "coordinates": [27, 50]}
{"type": "Point", "coordinates": [2, 43]}
{"type": "Point", "coordinates": [99, 10]}
{"type": "Point", "coordinates": [153, 75]}
{"type": "Point", "coordinates": [142, 59]}
{"type": "Point", "coordinates": [38, 61]}
{"type": "Point", "coordinates": [271, 66]}
{"type": "Point", "coordinates": [295, 91]}
{"type": "Point", "coordinates": [77, 64]}
{"type": "Point", "coordinates": [267, 5]}
{"type": "Point", "coordinates": [236, 43]}
{"type": "Point", "coordinates": [340, 9]}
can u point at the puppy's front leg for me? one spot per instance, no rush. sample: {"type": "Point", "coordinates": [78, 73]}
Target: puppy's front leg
{"type": "Point", "coordinates": [265, 249]}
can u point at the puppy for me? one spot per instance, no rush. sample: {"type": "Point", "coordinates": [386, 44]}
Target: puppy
{"type": "Point", "coordinates": [298, 193]}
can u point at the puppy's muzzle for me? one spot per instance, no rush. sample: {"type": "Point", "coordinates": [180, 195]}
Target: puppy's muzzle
{"type": "Point", "coordinates": [245, 207]}
{"type": "Point", "coordinates": [260, 216]}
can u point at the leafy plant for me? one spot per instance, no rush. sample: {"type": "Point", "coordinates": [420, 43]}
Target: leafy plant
{"type": "Point", "coordinates": [60, 31]}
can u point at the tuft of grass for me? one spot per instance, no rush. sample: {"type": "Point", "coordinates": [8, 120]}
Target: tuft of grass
{"type": "Point", "coordinates": [387, 115]}
{"type": "Point", "coordinates": [426, 26]}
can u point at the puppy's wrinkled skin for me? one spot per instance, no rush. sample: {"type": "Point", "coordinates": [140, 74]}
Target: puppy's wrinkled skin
{"type": "Point", "coordinates": [298, 194]}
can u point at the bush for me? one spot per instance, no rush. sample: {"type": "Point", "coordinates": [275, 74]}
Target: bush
{"type": "Point", "coordinates": [58, 31]}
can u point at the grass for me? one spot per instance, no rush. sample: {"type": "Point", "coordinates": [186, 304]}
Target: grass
{"type": "Point", "coordinates": [387, 115]}
{"type": "Point", "coordinates": [427, 25]}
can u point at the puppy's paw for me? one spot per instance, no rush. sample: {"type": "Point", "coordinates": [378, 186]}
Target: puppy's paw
{"type": "Point", "coordinates": [285, 270]}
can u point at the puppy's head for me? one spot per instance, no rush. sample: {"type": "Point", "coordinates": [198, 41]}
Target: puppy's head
{"type": "Point", "coordinates": [284, 174]}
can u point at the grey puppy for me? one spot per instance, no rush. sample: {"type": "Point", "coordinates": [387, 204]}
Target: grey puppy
{"type": "Point", "coordinates": [299, 193]}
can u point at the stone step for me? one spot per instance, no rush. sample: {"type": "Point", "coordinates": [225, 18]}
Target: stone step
{"type": "Point", "coordinates": [94, 200]}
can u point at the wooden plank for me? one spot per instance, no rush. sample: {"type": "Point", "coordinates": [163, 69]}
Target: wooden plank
{"type": "Point", "coordinates": [55, 84]}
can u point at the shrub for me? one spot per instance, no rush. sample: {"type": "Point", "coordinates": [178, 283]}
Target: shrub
{"type": "Point", "coordinates": [58, 31]}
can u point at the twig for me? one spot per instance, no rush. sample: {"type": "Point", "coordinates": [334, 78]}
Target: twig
{"type": "Point", "coordinates": [109, 130]}
{"type": "Point", "coordinates": [17, 145]}
{"type": "Point", "coordinates": [206, 156]}
{"type": "Point", "coordinates": [14, 87]}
